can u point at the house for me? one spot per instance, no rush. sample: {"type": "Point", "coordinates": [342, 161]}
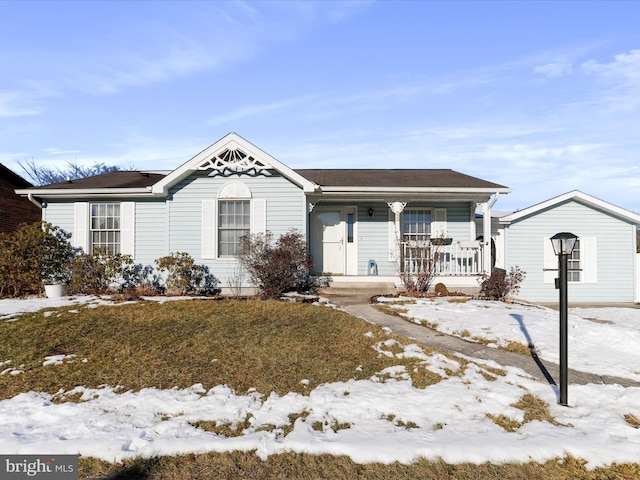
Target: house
{"type": "Point", "coordinates": [365, 225]}
{"type": "Point", "coordinates": [15, 209]}
{"type": "Point", "coordinates": [604, 266]}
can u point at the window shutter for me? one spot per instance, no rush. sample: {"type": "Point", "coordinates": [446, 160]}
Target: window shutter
{"type": "Point", "coordinates": [258, 215]}
{"type": "Point", "coordinates": [127, 228]}
{"type": "Point", "coordinates": [80, 236]}
{"type": "Point", "coordinates": [550, 260]}
{"type": "Point", "coordinates": [439, 224]}
{"type": "Point", "coordinates": [590, 260]}
{"type": "Point", "coordinates": [208, 228]}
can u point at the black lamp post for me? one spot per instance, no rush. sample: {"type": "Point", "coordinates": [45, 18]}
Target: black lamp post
{"type": "Point", "coordinates": [563, 244]}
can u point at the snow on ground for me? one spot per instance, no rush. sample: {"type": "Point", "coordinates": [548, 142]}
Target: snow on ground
{"type": "Point", "coordinates": [383, 419]}
{"type": "Point", "coordinates": [604, 341]}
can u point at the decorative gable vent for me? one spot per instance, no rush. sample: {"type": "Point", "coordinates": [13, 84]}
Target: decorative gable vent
{"type": "Point", "coordinates": [232, 161]}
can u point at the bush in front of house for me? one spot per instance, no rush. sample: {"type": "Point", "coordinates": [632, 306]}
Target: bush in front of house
{"type": "Point", "coordinates": [34, 254]}
{"type": "Point", "coordinates": [500, 284]}
{"type": "Point", "coordinates": [276, 267]}
{"type": "Point", "coordinates": [184, 276]}
{"type": "Point", "coordinates": [102, 272]}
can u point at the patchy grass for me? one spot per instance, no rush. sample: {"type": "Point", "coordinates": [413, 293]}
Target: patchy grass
{"type": "Point", "coordinates": [517, 347]}
{"type": "Point", "coordinates": [632, 420]}
{"type": "Point", "coordinates": [269, 346]}
{"type": "Point", "coordinates": [266, 345]}
{"type": "Point", "coordinates": [534, 409]}
{"type": "Point", "coordinates": [316, 467]}
{"type": "Point", "coordinates": [458, 300]}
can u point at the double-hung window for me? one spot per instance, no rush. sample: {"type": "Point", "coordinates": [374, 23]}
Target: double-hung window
{"type": "Point", "coordinates": [574, 263]}
{"type": "Point", "coordinates": [105, 228]}
{"type": "Point", "coordinates": [416, 224]}
{"type": "Point", "coordinates": [234, 221]}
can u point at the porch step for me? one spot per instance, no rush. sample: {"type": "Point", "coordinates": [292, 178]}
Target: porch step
{"type": "Point", "coordinates": [359, 288]}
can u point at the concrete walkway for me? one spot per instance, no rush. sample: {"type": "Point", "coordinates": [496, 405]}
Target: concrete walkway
{"type": "Point", "coordinates": [358, 304]}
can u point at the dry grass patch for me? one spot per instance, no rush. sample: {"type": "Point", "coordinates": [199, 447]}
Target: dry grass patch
{"type": "Point", "coordinates": [266, 345]}
{"type": "Point", "coordinates": [534, 409]}
{"type": "Point", "coordinates": [317, 467]}
{"type": "Point", "coordinates": [517, 347]}
{"type": "Point", "coordinates": [632, 420]}
{"type": "Point", "coordinates": [458, 300]}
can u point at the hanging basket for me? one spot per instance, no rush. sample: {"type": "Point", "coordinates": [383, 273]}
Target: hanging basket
{"type": "Point", "coordinates": [441, 241]}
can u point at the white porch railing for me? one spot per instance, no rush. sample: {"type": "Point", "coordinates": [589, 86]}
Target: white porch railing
{"type": "Point", "coordinates": [459, 258]}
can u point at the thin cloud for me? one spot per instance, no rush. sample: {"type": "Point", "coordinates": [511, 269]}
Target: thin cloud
{"type": "Point", "coordinates": [16, 104]}
{"type": "Point", "coordinates": [621, 78]}
{"type": "Point", "coordinates": [249, 111]}
{"type": "Point", "coordinates": [555, 69]}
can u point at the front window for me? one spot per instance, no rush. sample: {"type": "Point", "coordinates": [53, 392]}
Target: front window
{"type": "Point", "coordinates": [233, 223]}
{"type": "Point", "coordinates": [416, 224]}
{"type": "Point", "coordinates": [574, 263]}
{"type": "Point", "coordinates": [105, 228]}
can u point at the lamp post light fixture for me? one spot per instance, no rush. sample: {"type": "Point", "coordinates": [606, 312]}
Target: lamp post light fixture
{"type": "Point", "coordinates": [563, 244]}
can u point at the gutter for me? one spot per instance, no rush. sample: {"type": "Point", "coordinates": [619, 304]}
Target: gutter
{"type": "Point", "coordinates": [34, 201]}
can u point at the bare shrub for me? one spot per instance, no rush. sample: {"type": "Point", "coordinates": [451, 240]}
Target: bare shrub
{"type": "Point", "coordinates": [418, 272]}
{"type": "Point", "coordinates": [500, 284]}
{"type": "Point", "coordinates": [276, 268]}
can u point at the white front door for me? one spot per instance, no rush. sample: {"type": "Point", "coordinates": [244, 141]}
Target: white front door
{"type": "Point", "coordinates": [333, 244]}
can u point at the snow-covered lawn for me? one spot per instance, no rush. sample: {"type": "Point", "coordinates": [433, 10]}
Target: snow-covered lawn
{"type": "Point", "coordinates": [382, 419]}
{"type": "Point", "coordinates": [605, 341]}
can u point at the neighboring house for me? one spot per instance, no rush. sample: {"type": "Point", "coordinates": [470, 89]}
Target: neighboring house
{"type": "Point", "coordinates": [15, 209]}
{"type": "Point", "coordinates": [364, 225]}
{"type": "Point", "coordinates": [605, 263]}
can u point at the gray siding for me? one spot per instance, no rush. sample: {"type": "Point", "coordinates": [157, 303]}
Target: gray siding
{"type": "Point", "coordinates": [285, 210]}
{"type": "Point", "coordinates": [60, 214]}
{"type": "Point", "coordinates": [164, 226]}
{"type": "Point", "coordinates": [152, 231]}
{"type": "Point", "coordinates": [614, 252]}
{"type": "Point", "coordinates": [373, 233]}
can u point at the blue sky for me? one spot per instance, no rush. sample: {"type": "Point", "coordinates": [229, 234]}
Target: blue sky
{"type": "Point", "coordinates": [543, 97]}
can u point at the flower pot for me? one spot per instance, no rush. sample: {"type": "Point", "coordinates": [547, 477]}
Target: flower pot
{"type": "Point", "coordinates": [55, 290]}
{"type": "Point", "coordinates": [441, 241]}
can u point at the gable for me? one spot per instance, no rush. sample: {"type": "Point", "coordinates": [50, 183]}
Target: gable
{"type": "Point", "coordinates": [574, 196]}
{"type": "Point", "coordinates": [230, 155]}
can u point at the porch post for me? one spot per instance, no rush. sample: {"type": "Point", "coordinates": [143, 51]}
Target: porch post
{"type": "Point", "coordinates": [486, 237]}
{"type": "Point", "coordinates": [397, 208]}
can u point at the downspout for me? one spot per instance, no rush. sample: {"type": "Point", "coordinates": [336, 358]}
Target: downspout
{"type": "Point", "coordinates": [34, 201]}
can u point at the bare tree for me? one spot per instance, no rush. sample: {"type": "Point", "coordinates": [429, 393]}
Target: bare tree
{"type": "Point", "coordinates": [44, 175]}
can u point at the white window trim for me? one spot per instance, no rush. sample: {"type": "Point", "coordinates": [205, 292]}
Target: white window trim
{"type": "Point", "coordinates": [234, 190]}
{"type": "Point", "coordinates": [81, 237]}
{"type": "Point", "coordinates": [588, 261]}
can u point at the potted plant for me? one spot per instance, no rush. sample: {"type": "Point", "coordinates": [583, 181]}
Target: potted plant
{"type": "Point", "coordinates": [441, 241]}
{"type": "Point", "coordinates": [55, 260]}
